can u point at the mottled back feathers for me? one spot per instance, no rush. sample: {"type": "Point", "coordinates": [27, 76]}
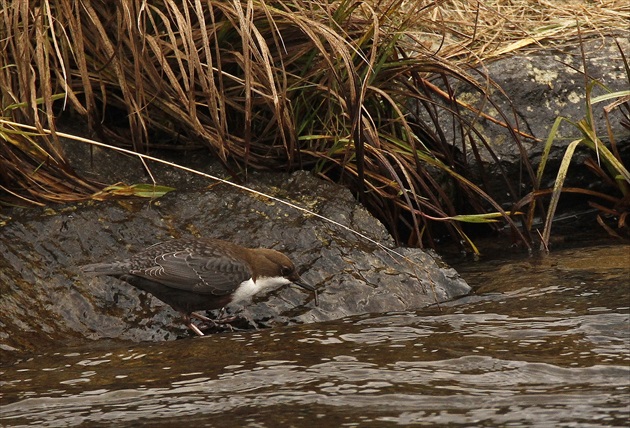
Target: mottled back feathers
{"type": "Point", "coordinates": [203, 266]}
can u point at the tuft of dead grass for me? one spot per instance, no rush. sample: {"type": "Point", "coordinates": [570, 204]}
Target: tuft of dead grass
{"type": "Point", "coordinates": [357, 91]}
{"type": "Point", "coordinates": [477, 31]}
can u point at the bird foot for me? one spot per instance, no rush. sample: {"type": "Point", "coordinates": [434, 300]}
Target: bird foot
{"type": "Point", "coordinates": [222, 322]}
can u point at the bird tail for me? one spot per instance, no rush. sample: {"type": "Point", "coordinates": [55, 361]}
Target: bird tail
{"type": "Point", "coordinates": [97, 269]}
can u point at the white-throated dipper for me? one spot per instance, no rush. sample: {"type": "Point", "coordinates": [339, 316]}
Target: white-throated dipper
{"type": "Point", "coordinates": [193, 274]}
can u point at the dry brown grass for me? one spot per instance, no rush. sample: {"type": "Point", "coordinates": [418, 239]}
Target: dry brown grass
{"type": "Point", "coordinates": [279, 85]}
{"type": "Point", "coordinates": [474, 31]}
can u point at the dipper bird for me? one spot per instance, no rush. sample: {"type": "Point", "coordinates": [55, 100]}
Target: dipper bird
{"type": "Point", "coordinates": [193, 274]}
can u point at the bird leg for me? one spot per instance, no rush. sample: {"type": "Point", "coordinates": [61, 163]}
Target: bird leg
{"type": "Point", "coordinates": [192, 326]}
{"type": "Point", "coordinates": [220, 321]}
{"type": "Point", "coordinates": [201, 317]}
{"type": "Point", "coordinates": [223, 319]}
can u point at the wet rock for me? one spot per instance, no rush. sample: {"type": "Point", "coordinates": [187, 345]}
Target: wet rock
{"type": "Point", "coordinates": [45, 299]}
{"type": "Point", "coordinates": [542, 86]}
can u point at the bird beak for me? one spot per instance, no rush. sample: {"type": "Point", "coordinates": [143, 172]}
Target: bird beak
{"type": "Point", "coordinates": [300, 283]}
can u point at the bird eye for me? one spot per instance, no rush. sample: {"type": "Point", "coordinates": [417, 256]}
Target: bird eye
{"type": "Point", "coordinates": [286, 271]}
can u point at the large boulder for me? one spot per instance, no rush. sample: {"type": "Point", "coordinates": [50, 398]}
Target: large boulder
{"type": "Point", "coordinates": [46, 300]}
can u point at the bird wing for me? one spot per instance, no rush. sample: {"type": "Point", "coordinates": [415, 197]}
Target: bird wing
{"type": "Point", "coordinates": [218, 275]}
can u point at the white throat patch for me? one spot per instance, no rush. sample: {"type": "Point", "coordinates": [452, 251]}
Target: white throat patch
{"type": "Point", "coordinates": [249, 288]}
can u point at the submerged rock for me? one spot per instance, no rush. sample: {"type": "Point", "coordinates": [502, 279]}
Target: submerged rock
{"type": "Point", "coordinates": [46, 300]}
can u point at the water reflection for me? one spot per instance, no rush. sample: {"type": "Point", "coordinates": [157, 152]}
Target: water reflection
{"type": "Point", "coordinates": [542, 348]}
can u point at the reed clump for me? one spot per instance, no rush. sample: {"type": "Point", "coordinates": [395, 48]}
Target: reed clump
{"type": "Point", "coordinates": [357, 91]}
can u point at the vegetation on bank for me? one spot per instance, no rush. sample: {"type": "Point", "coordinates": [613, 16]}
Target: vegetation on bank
{"type": "Point", "coordinates": [359, 92]}
{"type": "Point", "coordinates": [605, 162]}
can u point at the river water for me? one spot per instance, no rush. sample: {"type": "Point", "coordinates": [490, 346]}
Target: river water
{"type": "Point", "coordinates": [541, 342]}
